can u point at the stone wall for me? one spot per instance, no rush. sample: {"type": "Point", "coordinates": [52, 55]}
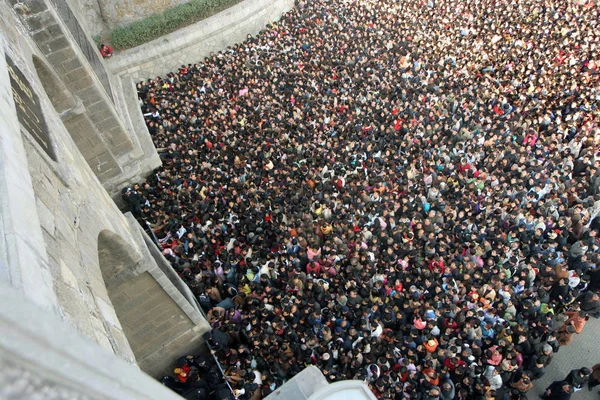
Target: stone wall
{"type": "Point", "coordinates": [84, 93]}
{"type": "Point", "coordinates": [64, 244]}
{"type": "Point", "coordinates": [71, 130]}
{"type": "Point", "coordinates": [105, 15]}
{"type": "Point", "coordinates": [193, 43]}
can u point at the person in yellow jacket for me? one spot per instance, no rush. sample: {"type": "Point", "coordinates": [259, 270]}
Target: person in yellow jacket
{"type": "Point", "coordinates": [326, 229]}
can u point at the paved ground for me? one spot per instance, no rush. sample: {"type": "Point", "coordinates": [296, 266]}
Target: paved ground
{"type": "Point", "coordinates": [584, 351]}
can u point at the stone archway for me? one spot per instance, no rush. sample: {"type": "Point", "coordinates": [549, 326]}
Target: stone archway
{"type": "Point", "coordinates": [157, 321]}
{"type": "Point", "coordinates": [118, 260]}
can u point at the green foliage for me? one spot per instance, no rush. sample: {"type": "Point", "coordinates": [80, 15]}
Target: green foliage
{"type": "Point", "coordinates": [157, 25]}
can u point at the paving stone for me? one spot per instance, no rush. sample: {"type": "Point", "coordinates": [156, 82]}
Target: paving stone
{"type": "Point", "coordinates": [584, 351]}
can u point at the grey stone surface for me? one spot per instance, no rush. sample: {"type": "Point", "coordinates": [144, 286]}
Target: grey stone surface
{"type": "Point", "coordinates": [41, 357]}
{"type": "Point", "coordinates": [584, 351]}
{"type": "Point", "coordinates": [91, 16]}
{"type": "Point", "coordinates": [24, 260]}
{"type": "Point", "coordinates": [103, 15]}
{"type": "Point", "coordinates": [193, 43]}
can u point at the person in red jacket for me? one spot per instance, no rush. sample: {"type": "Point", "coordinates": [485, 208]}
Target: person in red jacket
{"type": "Point", "coordinates": [106, 51]}
{"type": "Point", "coordinates": [313, 268]}
{"type": "Point", "coordinates": [453, 362]}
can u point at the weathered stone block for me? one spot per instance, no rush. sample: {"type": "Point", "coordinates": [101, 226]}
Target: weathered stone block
{"type": "Point", "coordinates": [76, 77]}
{"type": "Point", "coordinates": [39, 21]}
{"type": "Point", "coordinates": [46, 216]}
{"type": "Point", "coordinates": [55, 30]}
{"type": "Point", "coordinates": [92, 153]}
{"type": "Point", "coordinates": [105, 158]}
{"type": "Point", "coordinates": [42, 37]}
{"type": "Point", "coordinates": [56, 44]}
{"type": "Point", "coordinates": [76, 134]}
{"type": "Point", "coordinates": [60, 56]}
{"type": "Point", "coordinates": [89, 94]}
{"type": "Point", "coordinates": [36, 6]}
{"type": "Point", "coordinates": [98, 113]}
{"type": "Point", "coordinates": [95, 139]}
{"type": "Point", "coordinates": [67, 275]}
{"type": "Point", "coordinates": [46, 192]}
{"type": "Point", "coordinates": [70, 65]}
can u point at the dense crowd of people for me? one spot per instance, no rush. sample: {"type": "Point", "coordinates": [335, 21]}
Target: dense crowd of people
{"type": "Point", "coordinates": [402, 192]}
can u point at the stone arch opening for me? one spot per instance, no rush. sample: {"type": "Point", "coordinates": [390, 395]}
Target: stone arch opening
{"type": "Point", "coordinates": [156, 327]}
{"type": "Point", "coordinates": [60, 97]}
{"type": "Point", "coordinates": [118, 260]}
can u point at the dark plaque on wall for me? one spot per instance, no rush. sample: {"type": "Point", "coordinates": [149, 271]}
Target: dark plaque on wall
{"type": "Point", "coordinates": [29, 109]}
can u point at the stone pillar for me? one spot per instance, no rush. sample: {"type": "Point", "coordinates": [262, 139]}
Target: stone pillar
{"type": "Point", "coordinates": [23, 259]}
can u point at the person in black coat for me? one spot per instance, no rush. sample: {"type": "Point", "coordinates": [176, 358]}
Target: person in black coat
{"type": "Point", "coordinates": [560, 291]}
{"type": "Point", "coordinates": [590, 303]}
{"type": "Point", "coordinates": [578, 378]}
{"type": "Point", "coordinates": [537, 370]}
{"type": "Point", "coordinates": [558, 390]}
{"type": "Point", "coordinates": [524, 345]}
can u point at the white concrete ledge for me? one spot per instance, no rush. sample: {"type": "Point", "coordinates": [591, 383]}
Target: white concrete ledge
{"type": "Point", "coordinates": [344, 390]}
{"type": "Point", "coordinates": [310, 384]}
{"type": "Point", "coordinates": [193, 43]}
{"type": "Point", "coordinates": [302, 386]}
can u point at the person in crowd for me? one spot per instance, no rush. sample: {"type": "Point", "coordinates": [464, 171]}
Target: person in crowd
{"type": "Point", "coordinates": [594, 377]}
{"type": "Point", "coordinates": [590, 304]}
{"type": "Point", "coordinates": [577, 319]}
{"type": "Point", "coordinates": [558, 390]}
{"type": "Point", "coordinates": [578, 378]}
{"type": "Point", "coordinates": [106, 51]}
{"type": "Point", "coordinates": [405, 193]}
